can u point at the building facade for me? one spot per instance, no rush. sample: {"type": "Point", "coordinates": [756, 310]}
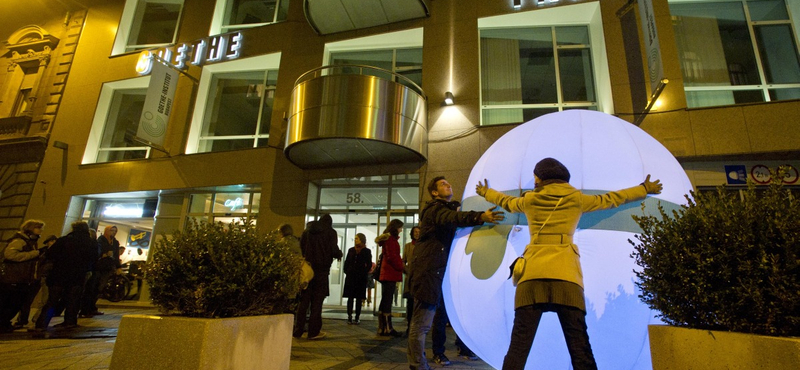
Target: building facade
{"type": "Point", "coordinates": [727, 110]}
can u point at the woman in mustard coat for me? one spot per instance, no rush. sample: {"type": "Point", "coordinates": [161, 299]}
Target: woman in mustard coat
{"type": "Point", "coordinates": [553, 279]}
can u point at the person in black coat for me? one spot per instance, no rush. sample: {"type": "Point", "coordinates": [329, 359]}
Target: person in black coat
{"type": "Point", "coordinates": [320, 246]}
{"type": "Point", "coordinates": [438, 223]}
{"type": "Point", "coordinates": [72, 256]}
{"type": "Point", "coordinates": [356, 267]}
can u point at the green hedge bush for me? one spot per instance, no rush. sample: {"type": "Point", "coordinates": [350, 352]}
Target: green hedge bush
{"type": "Point", "coordinates": [217, 270]}
{"type": "Point", "coordinates": [725, 261]}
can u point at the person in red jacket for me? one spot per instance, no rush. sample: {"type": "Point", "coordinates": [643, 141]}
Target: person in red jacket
{"type": "Point", "coordinates": [391, 272]}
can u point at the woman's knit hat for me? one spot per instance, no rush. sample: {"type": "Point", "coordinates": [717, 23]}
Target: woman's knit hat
{"type": "Point", "coordinates": [550, 169]}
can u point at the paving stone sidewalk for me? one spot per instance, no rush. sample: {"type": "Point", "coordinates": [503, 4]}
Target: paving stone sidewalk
{"type": "Point", "coordinates": [90, 346]}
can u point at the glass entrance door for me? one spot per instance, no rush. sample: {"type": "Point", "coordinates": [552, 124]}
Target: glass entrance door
{"type": "Point", "coordinates": [371, 225]}
{"type": "Point", "coordinates": [364, 205]}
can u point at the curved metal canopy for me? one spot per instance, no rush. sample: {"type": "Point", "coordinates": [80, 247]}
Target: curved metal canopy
{"type": "Point", "coordinates": [331, 16]}
{"type": "Point", "coordinates": [343, 116]}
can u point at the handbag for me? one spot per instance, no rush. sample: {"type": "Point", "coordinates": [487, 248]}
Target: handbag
{"type": "Point", "coordinates": [306, 274]}
{"type": "Point", "coordinates": [518, 266]}
{"type": "Point", "coordinates": [377, 272]}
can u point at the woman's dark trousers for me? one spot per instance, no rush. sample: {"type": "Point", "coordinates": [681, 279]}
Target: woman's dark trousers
{"type": "Point", "coordinates": [573, 323]}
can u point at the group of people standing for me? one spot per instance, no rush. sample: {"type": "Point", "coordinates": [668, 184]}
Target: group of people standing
{"type": "Point", "coordinates": [65, 273]}
{"type": "Point", "coordinates": [552, 280]}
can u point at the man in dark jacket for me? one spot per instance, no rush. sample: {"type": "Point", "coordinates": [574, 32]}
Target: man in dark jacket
{"type": "Point", "coordinates": [72, 256]}
{"type": "Point", "coordinates": [18, 284]}
{"type": "Point", "coordinates": [102, 271]}
{"type": "Point", "coordinates": [319, 244]}
{"type": "Point", "coordinates": [438, 223]}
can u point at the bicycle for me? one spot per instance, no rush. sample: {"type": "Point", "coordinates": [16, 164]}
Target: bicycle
{"type": "Point", "coordinates": [117, 288]}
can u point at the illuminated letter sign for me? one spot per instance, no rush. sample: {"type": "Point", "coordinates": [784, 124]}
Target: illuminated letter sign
{"type": "Point", "coordinates": [212, 49]}
{"type": "Point", "coordinates": [234, 203]}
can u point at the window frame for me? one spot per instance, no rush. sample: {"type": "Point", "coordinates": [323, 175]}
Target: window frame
{"type": "Point", "coordinates": [221, 11]}
{"type": "Point", "coordinates": [583, 14]}
{"type": "Point", "coordinates": [764, 87]}
{"type": "Point", "coordinates": [265, 63]}
{"type": "Point", "coordinates": [105, 104]}
{"type": "Point", "coordinates": [209, 215]}
{"type": "Point", "coordinates": [126, 24]}
{"type": "Point", "coordinates": [394, 50]}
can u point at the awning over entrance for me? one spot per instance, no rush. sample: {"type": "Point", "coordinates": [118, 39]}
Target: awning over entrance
{"type": "Point", "coordinates": [346, 115]}
{"type": "Point", "coordinates": [331, 16]}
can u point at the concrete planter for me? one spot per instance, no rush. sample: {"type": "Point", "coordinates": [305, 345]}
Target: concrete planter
{"type": "Point", "coordinates": [170, 342]}
{"type": "Point", "coordinates": [682, 348]}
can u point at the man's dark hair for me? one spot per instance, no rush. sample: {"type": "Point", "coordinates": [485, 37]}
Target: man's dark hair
{"type": "Point", "coordinates": [411, 232]}
{"type": "Point", "coordinates": [80, 226]}
{"type": "Point", "coordinates": [286, 229]}
{"type": "Point", "coordinates": [432, 185]}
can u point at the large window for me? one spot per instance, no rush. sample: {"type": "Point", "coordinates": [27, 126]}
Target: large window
{"type": "Point", "coordinates": [147, 24]}
{"type": "Point", "coordinates": [405, 62]}
{"type": "Point", "coordinates": [224, 207]}
{"type": "Point", "coordinates": [231, 15]}
{"type": "Point", "coordinates": [735, 52]}
{"type": "Point", "coordinates": [234, 104]}
{"type": "Point", "coordinates": [542, 61]}
{"type": "Point", "coordinates": [116, 122]}
{"type": "Point", "coordinates": [238, 111]}
{"type": "Point", "coordinates": [528, 72]}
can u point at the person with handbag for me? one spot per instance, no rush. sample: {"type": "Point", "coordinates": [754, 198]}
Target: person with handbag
{"type": "Point", "coordinates": [549, 275]}
{"type": "Point", "coordinates": [18, 283]}
{"type": "Point", "coordinates": [356, 267]}
{"type": "Point", "coordinates": [390, 273]}
{"type": "Point", "coordinates": [439, 220]}
{"type": "Point", "coordinates": [319, 244]}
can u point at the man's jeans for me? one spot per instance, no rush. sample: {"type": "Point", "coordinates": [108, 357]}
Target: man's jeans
{"type": "Point", "coordinates": [439, 333]}
{"type": "Point", "coordinates": [573, 323]}
{"type": "Point", "coordinates": [420, 326]}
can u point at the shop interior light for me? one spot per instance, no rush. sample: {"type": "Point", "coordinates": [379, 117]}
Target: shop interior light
{"type": "Point", "coordinates": [118, 210]}
{"type": "Point", "coordinates": [448, 98]}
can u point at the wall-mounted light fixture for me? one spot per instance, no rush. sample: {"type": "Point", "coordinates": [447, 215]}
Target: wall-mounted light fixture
{"type": "Point", "coordinates": [448, 98]}
{"type": "Point", "coordinates": [60, 145]}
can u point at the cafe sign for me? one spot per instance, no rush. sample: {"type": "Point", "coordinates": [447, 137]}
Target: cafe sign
{"type": "Point", "coordinates": [208, 50]}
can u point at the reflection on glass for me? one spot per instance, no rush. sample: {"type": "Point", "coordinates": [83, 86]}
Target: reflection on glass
{"type": "Point", "coordinates": [254, 205]}
{"type": "Point", "coordinates": [122, 125]}
{"type": "Point", "coordinates": [575, 70]}
{"type": "Point", "coordinates": [518, 68]}
{"type": "Point", "coordinates": [251, 11]}
{"type": "Point", "coordinates": [767, 10]}
{"type": "Point", "coordinates": [155, 24]}
{"type": "Point", "coordinates": [240, 104]}
{"type": "Point", "coordinates": [784, 94]}
{"type": "Point", "coordinates": [572, 35]}
{"type": "Point", "coordinates": [199, 203]}
{"type": "Point", "coordinates": [778, 53]}
{"type": "Point", "coordinates": [714, 44]}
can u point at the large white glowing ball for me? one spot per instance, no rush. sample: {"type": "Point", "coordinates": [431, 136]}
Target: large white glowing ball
{"type": "Point", "coordinates": [602, 153]}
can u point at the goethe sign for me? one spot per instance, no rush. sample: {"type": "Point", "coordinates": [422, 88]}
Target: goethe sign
{"type": "Point", "coordinates": [212, 49]}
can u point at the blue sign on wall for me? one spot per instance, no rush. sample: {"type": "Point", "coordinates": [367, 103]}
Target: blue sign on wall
{"type": "Point", "coordinates": [736, 174]}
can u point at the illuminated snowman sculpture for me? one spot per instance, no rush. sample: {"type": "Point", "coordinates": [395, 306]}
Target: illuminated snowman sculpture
{"type": "Point", "coordinates": [602, 153]}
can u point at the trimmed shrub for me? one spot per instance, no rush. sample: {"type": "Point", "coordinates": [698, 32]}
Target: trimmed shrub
{"type": "Point", "coordinates": [725, 261]}
{"type": "Point", "coordinates": [217, 270]}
